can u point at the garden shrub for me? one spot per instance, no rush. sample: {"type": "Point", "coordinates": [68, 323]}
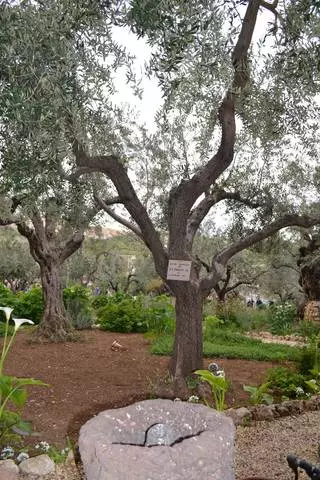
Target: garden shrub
{"type": "Point", "coordinates": [99, 301]}
{"type": "Point", "coordinates": [285, 382]}
{"type": "Point", "coordinates": [307, 329]}
{"type": "Point", "coordinates": [310, 357]}
{"type": "Point", "coordinates": [77, 300]}
{"type": "Point", "coordinates": [7, 298]}
{"type": "Point", "coordinates": [210, 325]}
{"type": "Point", "coordinates": [29, 304]}
{"type": "Point", "coordinates": [282, 318]}
{"type": "Point", "coordinates": [235, 314]}
{"type": "Point", "coordinates": [123, 314]}
{"type": "Point", "coordinates": [161, 315]}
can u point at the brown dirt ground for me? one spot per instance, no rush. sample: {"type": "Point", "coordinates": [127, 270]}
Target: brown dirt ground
{"type": "Point", "coordinates": [87, 377]}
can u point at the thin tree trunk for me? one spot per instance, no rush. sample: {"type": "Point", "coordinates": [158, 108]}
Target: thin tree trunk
{"type": "Point", "coordinates": [187, 354]}
{"type": "Point", "coordinates": [55, 324]}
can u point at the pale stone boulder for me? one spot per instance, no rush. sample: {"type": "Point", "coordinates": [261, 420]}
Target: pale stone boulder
{"type": "Point", "coordinates": [158, 440]}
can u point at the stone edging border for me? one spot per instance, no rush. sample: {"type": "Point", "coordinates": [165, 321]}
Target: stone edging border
{"type": "Point", "coordinates": [244, 415]}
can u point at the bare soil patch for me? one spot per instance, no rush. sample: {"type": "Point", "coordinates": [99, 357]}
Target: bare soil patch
{"type": "Point", "coordinates": [87, 377]}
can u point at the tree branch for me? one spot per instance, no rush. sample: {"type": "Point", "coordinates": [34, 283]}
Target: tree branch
{"type": "Point", "coordinates": [220, 260]}
{"type": "Point", "coordinates": [197, 215]}
{"type": "Point", "coordinates": [185, 195]}
{"type": "Point", "coordinates": [288, 220]}
{"type": "Point", "coordinates": [72, 245]}
{"type": "Point", "coordinates": [270, 6]}
{"type": "Point", "coordinates": [116, 171]}
{"type": "Point", "coordinates": [104, 205]}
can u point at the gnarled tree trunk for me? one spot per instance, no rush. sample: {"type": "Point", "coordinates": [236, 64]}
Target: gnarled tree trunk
{"type": "Point", "coordinates": [55, 324]}
{"type": "Point", "coordinates": [50, 253]}
{"type": "Point", "coordinates": [187, 352]}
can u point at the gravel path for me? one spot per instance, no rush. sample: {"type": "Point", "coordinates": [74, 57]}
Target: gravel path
{"type": "Point", "coordinates": [261, 448]}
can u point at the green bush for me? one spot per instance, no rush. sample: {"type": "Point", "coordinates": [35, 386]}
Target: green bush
{"type": "Point", "coordinates": [210, 325]}
{"type": "Point", "coordinates": [307, 329]}
{"type": "Point", "coordinates": [235, 314]}
{"type": "Point", "coordinates": [77, 300]}
{"type": "Point", "coordinates": [99, 301]}
{"type": "Point", "coordinates": [282, 318]}
{"type": "Point", "coordinates": [123, 314]}
{"type": "Point", "coordinates": [161, 315]}
{"type": "Point", "coordinates": [7, 297]}
{"type": "Point", "coordinates": [285, 382]}
{"type": "Point", "coordinates": [29, 304]}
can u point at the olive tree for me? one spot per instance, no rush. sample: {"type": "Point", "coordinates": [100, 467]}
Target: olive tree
{"type": "Point", "coordinates": [194, 63]}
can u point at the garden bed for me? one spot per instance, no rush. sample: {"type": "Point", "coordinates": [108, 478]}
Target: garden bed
{"type": "Point", "coordinates": [88, 376]}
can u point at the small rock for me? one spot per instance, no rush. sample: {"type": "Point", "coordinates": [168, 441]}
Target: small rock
{"type": "Point", "coordinates": [240, 416]}
{"type": "Point", "coordinates": [265, 412]}
{"type": "Point", "coordinates": [8, 470]}
{"type": "Point", "coordinates": [40, 465]}
{"type": "Point", "coordinates": [294, 406]}
{"type": "Point", "coordinates": [70, 458]}
{"type": "Point", "coordinates": [282, 410]}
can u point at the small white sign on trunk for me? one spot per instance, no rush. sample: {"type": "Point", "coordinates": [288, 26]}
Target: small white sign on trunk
{"type": "Point", "coordinates": [179, 270]}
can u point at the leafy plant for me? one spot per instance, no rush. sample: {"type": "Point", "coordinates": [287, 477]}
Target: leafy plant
{"type": "Point", "coordinates": [211, 323]}
{"type": "Point", "coordinates": [7, 297]}
{"type": "Point", "coordinates": [99, 301]}
{"type": "Point", "coordinates": [285, 382]}
{"type": "Point", "coordinates": [12, 389]}
{"type": "Point", "coordinates": [123, 314]}
{"type": "Point", "coordinates": [218, 385]}
{"type": "Point", "coordinates": [30, 304]}
{"type": "Point", "coordinates": [308, 329]}
{"type": "Point", "coordinates": [161, 315]}
{"type": "Point", "coordinates": [77, 300]}
{"type": "Point", "coordinates": [309, 359]}
{"type": "Point", "coordinates": [282, 318]}
{"type": "Point", "coordinates": [259, 394]}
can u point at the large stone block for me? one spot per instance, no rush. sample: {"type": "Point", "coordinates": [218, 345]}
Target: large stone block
{"type": "Point", "coordinates": [158, 440]}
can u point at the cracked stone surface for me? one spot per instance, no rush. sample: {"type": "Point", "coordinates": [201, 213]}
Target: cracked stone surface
{"type": "Point", "coordinates": [158, 440]}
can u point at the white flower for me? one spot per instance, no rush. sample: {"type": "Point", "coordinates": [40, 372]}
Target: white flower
{"type": "Point", "coordinates": [20, 321]}
{"type": "Point", "coordinates": [22, 456]}
{"type": "Point", "coordinates": [44, 446]}
{"type": "Point", "coordinates": [313, 381]}
{"type": "Point", "coordinates": [193, 399]}
{"type": "Point", "coordinates": [7, 452]}
{"type": "Point", "coordinates": [7, 311]}
{"type": "Point", "coordinates": [299, 391]}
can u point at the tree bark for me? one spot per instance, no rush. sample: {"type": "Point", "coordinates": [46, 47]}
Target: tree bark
{"type": "Point", "coordinates": [187, 352]}
{"type": "Point", "coordinates": [55, 324]}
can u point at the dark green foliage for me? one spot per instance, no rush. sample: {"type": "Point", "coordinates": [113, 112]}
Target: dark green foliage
{"type": "Point", "coordinates": [77, 300]}
{"type": "Point", "coordinates": [284, 382]}
{"type": "Point", "coordinates": [307, 359]}
{"type": "Point", "coordinates": [7, 297]}
{"type": "Point", "coordinates": [161, 315]}
{"type": "Point", "coordinates": [123, 314]}
{"type": "Point", "coordinates": [126, 314]}
{"type": "Point", "coordinates": [99, 301]}
{"type": "Point", "coordinates": [29, 304]}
